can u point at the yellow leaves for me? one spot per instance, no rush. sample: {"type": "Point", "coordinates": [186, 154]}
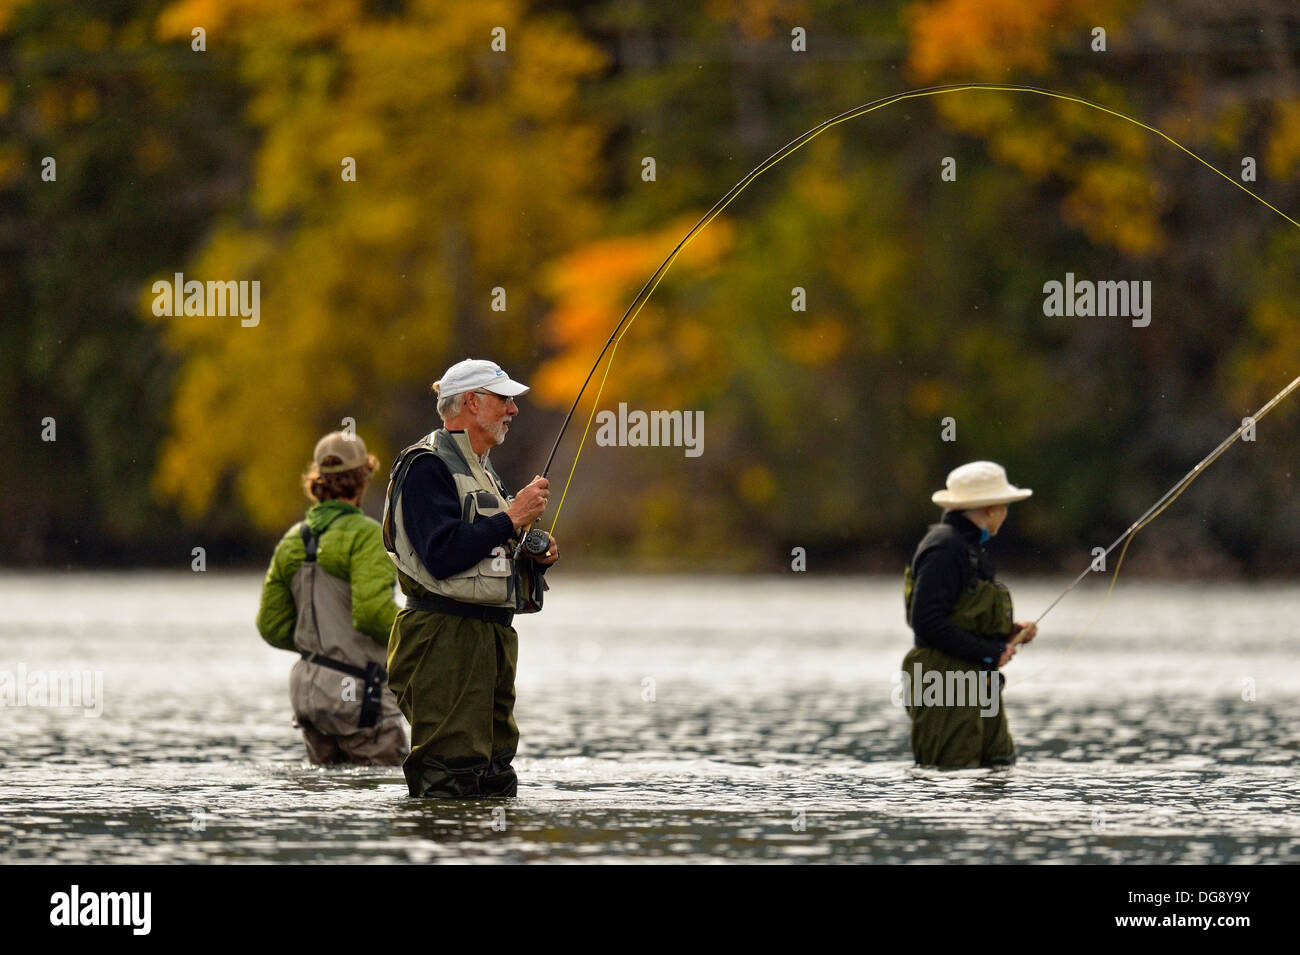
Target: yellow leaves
{"type": "Point", "coordinates": [385, 221]}
{"type": "Point", "coordinates": [65, 104]}
{"type": "Point", "coordinates": [757, 485]}
{"type": "Point", "coordinates": [1266, 353]}
{"type": "Point", "coordinates": [1117, 204]}
{"type": "Point", "coordinates": [1225, 131]}
{"type": "Point", "coordinates": [181, 475]}
{"type": "Point", "coordinates": [1036, 151]}
{"type": "Point", "coordinates": [544, 52]}
{"type": "Point", "coordinates": [181, 18]}
{"type": "Point", "coordinates": [249, 401]}
{"type": "Point", "coordinates": [694, 342]}
{"type": "Point", "coordinates": [820, 183]}
{"type": "Point", "coordinates": [1259, 370]}
{"type": "Point", "coordinates": [877, 269]}
{"type": "Point", "coordinates": [1113, 196]}
{"type": "Point", "coordinates": [472, 170]}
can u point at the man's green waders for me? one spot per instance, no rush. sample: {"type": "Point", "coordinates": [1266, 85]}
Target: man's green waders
{"type": "Point", "coordinates": [452, 652]}
{"type": "Point", "coordinates": [946, 735]}
{"type": "Point", "coordinates": [454, 678]}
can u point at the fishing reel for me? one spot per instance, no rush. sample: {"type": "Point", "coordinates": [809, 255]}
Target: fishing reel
{"type": "Point", "coordinates": [537, 542]}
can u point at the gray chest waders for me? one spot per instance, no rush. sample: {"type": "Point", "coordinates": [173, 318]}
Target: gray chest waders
{"type": "Point", "coordinates": [373, 676]}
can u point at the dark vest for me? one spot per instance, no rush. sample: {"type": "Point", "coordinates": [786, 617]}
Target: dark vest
{"type": "Point", "coordinates": [984, 607]}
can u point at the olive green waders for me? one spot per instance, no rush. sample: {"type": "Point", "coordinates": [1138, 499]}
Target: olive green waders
{"type": "Point", "coordinates": [454, 678]}
{"type": "Point", "coordinates": [954, 730]}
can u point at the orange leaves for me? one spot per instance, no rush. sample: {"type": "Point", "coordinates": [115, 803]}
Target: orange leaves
{"type": "Point", "coordinates": [593, 286]}
{"type": "Point", "coordinates": [982, 39]}
{"type": "Point", "coordinates": [757, 19]}
{"type": "Point", "coordinates": [295, 21]}
{"type": "Point", "coordinates": [1283, 156]}
{"type": "Point", "coordinates": [816, 344]}
{"type": "Point", "coordinates": [928, 398]}
{"type": "Point", "coordinates": [7, 10]}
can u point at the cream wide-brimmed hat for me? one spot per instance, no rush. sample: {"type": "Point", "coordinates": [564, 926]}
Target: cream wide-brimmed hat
{"type": "Point", "coordinates": [978, 484]}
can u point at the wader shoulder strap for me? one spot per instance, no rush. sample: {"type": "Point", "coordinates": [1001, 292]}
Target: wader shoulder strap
{"type": "Point", "coordinates": [309, 541]}
{"type": "Point", "coordinates": [396, 477]}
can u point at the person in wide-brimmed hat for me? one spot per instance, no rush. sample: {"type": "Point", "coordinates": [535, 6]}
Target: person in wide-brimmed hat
{"type": "Point", "coordinates": [961, 619]}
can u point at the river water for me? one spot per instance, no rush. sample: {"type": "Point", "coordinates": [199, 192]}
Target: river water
{"type": "Point", "coordinates": [664, 719]}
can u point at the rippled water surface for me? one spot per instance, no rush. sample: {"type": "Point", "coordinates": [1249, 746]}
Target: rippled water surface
{"type": "Point", "coordinates": [664, 720]}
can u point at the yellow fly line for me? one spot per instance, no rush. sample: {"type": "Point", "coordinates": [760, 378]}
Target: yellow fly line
{"type": "Point", "coordinates": [794, 145]}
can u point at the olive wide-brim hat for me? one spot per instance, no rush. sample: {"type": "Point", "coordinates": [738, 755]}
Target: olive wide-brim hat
{"type": "Point", "coordinates": [978, 484]}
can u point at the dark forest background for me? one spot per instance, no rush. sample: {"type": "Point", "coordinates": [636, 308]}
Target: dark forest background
{"type": "Point", "coordinates": [522, 170]}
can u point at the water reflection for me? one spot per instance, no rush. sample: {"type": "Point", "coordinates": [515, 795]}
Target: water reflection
{"type": "Point", "coordinates": [738, 720]}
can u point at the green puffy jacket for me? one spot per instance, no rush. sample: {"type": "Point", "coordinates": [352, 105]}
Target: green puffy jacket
{"type": "Point", "coordinates": [352, 550]}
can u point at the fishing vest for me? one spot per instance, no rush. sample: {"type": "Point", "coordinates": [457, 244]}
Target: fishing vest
{"type": "Point", "coordinates": [498, 580]}
{"type": "Point", "coordinates": [984, 607]}
{"type": "Point", "coordinates": [338, 685]}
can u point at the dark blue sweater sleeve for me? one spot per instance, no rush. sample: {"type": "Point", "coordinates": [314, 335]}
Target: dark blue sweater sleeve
{"type": "Point", "coordinates": [431, 513]}
{"type": "Point", "coordinates": [940, 575]}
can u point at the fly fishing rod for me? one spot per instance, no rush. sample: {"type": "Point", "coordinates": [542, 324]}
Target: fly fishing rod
{"type": "Point", "coordinates": [1169, 497]}
{"type": "Point", "coordinates": [538, 541]}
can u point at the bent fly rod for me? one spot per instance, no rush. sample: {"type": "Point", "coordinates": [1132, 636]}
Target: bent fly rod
{"type": "Point", "coordinates": [638, 302]}
{"type": "Point", "coordinates": [1169, 497]}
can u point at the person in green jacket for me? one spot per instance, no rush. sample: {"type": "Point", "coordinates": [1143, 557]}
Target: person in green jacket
{"type": "Point", "coordinates": [328, 596]}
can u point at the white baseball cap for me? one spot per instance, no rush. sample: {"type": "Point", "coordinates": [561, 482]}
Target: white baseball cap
{"type": "Point", "coordinates": [475, 373]}
{"type": "Point", "coordinates": [978, 484]}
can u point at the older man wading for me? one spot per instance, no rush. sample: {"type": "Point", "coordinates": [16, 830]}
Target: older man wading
{"type": "Point", "coordinates": [960, 615]}
{"type": "Point", "coordinates": [451, 526]}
